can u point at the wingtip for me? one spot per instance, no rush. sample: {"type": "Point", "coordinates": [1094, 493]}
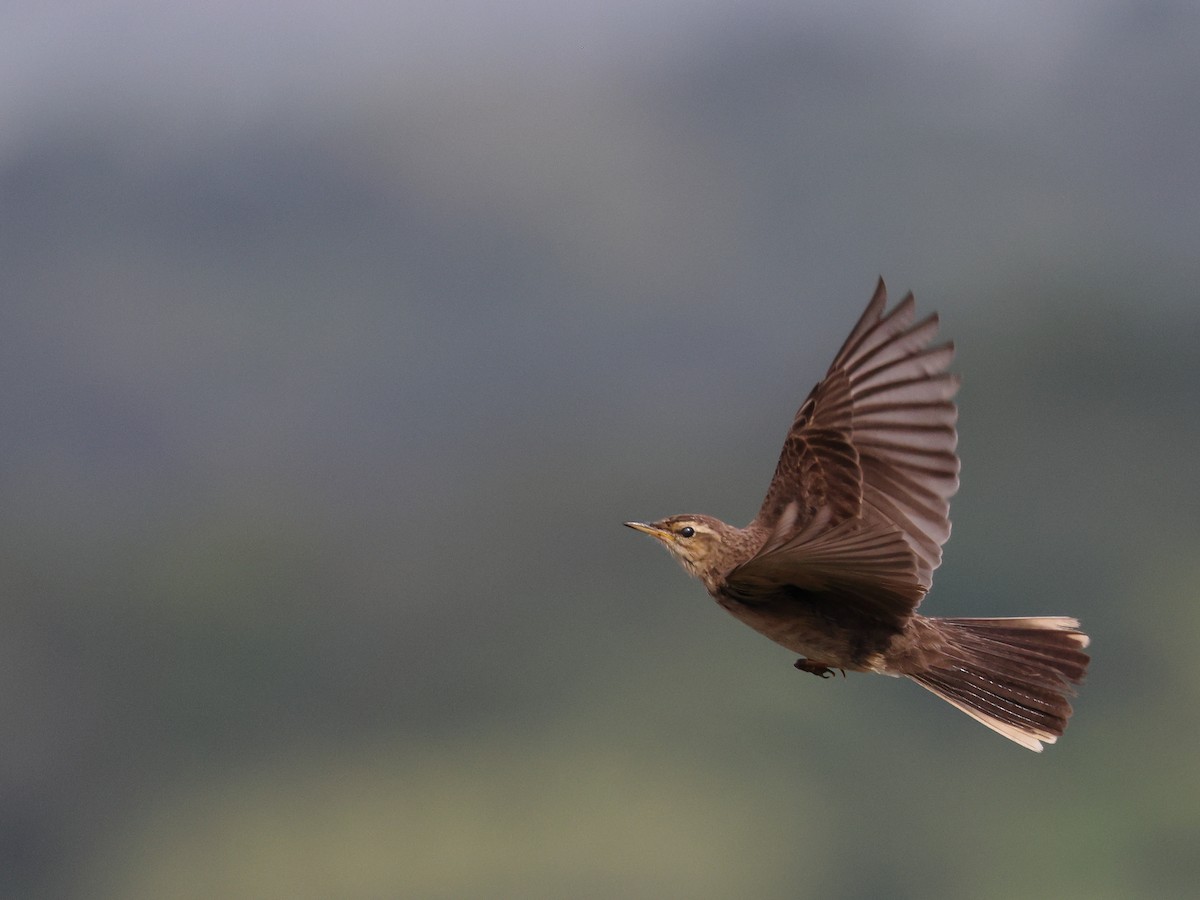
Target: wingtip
{"type": "Point", "coordinates": [874, 311]}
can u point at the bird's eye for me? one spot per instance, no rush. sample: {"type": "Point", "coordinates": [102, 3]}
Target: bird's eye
{"type": "Point", "coordinates": [687, 531]}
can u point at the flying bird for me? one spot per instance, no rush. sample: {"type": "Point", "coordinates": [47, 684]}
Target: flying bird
{"type": "Point", "coordinates": [844, 547]}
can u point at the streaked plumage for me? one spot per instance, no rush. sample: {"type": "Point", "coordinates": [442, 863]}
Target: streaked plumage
{"type": "Point", "coordinates": [844, 547]}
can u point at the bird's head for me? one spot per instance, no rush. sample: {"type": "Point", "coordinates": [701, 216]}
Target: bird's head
{"type": "Point", "coordinates": [696, 541]}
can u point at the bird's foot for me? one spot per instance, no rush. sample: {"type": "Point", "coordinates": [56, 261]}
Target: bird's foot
{"type": "Point", "coordinates": [816, 668]}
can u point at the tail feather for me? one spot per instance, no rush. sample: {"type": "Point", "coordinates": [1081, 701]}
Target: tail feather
{"type": "Point", "coordinates": [1013, 675]}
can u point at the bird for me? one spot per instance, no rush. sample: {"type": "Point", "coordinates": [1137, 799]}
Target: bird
{"type": "Point", "coordinates": [845, 543]}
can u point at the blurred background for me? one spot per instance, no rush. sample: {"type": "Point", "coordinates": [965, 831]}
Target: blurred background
{"type": "Point", "coordinates": [337, 340]}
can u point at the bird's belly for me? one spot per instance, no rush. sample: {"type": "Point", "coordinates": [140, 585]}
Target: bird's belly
{"type": "Point", "coordinates": [810, 632]}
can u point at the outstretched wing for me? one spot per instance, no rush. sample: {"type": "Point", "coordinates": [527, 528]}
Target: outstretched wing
{"type": "Point", "coordinates": [871, 451]}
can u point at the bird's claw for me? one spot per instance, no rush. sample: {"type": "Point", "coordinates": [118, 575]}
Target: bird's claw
{"type": "Point", "coordinates": [819, 669]}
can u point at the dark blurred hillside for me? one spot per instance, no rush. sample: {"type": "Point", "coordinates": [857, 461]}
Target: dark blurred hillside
{"type": "Point", "coordinates": [320, 420]}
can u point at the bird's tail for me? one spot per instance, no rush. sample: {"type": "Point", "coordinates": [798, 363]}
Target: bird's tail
{"type": "Point", "coordinates": [1013, 675]}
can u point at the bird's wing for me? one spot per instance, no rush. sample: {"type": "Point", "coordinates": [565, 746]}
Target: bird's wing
{"type": "Point", "coordinates": [854, 571]}
{"type": "Point", "coordinates": [871, 452]}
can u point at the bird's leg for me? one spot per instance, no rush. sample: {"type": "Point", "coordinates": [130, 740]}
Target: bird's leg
{"type": "Point", "coordinates": [817, 668]}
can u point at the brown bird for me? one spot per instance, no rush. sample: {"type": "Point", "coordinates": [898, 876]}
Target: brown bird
{"type": "Point", "coordinates": [844, 547]}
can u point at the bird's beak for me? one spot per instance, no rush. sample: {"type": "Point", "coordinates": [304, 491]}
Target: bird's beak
{"type": "Point", "coordinates": [659, 533]}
